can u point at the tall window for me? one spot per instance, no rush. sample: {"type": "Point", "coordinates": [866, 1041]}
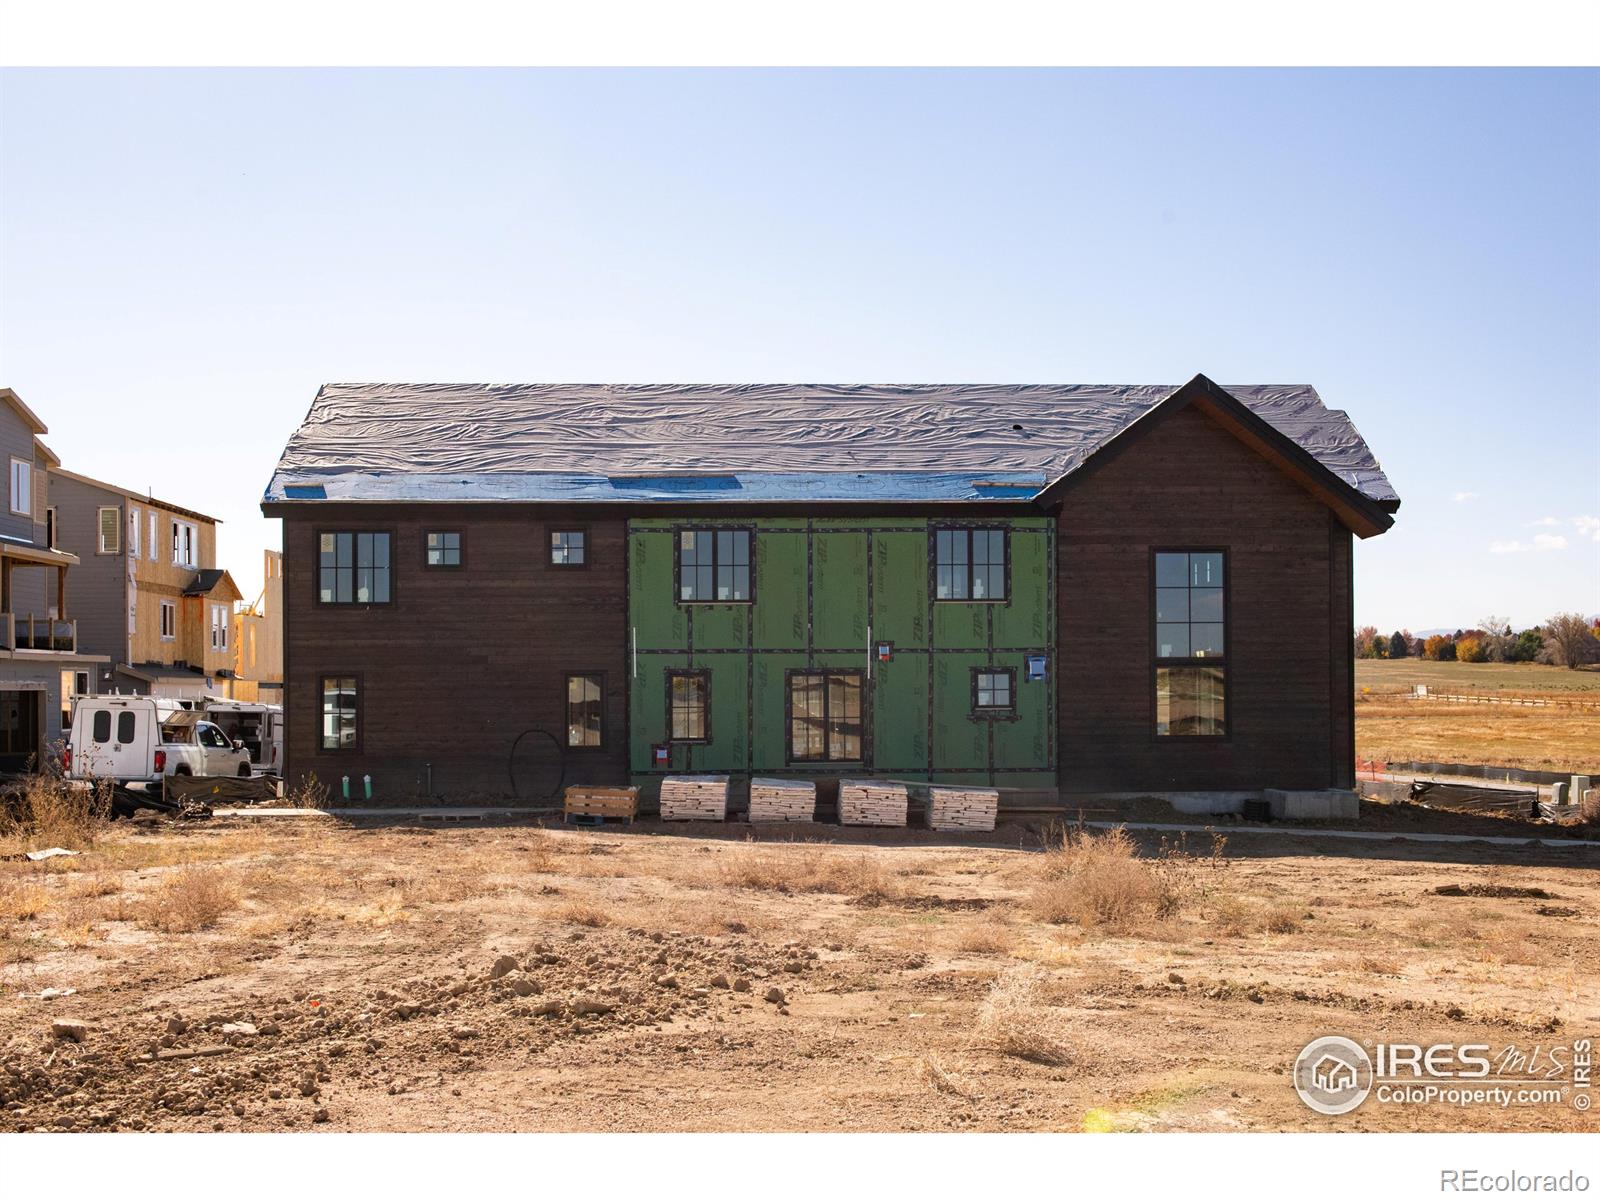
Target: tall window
{"type": "Point", "coordinates": [1190, 644]}
{"type": "Point", "coordinates": [219, 626]}
{"type": "Point", "coordinates": [169, 620]}
{"type": "Point", "coordinates": [50, 527]}
{"type": "Point", "coordinates": [969, 564]}
{"type": "Point", "coordinates": [585, 712]}
{"type": "Point", "coordinates": [353, 568]}
{"type": "Point", "coordinates": [154, 547]}
{"type": "Point", "coordinates": [185, 543]}
{"type": "Point", "coordinates": [689, 705]}
{"type": "Point", "coordinates": [21, 487]}
{"type": "Point", "coordinates": [110, 520]}
{"type": "Point", "coordinates": [714, 565]}
{"type": "Point", "coordinates": [567, 547]}
{"type": "Point", "coordinates": [444, 549]}
{"type": "Point", "coordinates": [341, 707]}
{"type": "Point", "coordinates": [133, 532]}
{"type": "Point", "coordinates": [825, 716]}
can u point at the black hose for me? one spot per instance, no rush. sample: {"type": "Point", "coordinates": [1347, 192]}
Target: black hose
{"type": "Point", "coordinates": [561, 757]}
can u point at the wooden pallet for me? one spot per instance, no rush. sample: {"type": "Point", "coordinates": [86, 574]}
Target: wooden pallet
{"type": "Point", "coordinates": [694, 798]}
{"type": "Point", "coordinates": [595, 804]}
{"type": "Point", "coordinates": [782, 800]}
{"type": "Point", "coordinates": [954, 807]}
{"type": "Point", "coordinates": [872, 802]}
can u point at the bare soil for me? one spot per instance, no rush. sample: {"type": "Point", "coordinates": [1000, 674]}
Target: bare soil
{"type": "Point", "coordinates": [297, 973]}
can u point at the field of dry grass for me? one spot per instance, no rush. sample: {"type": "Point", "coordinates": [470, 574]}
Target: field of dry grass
{"type": "Point", "coordinates": [302, 973]}
{"type": "Point", "coordinates": [1561, 736]}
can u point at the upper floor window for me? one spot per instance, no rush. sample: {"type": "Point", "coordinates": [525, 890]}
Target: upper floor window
{"type": "Point", "coordinates": [969, 564]}
{"type": "Point", "coordinates": [219, 626]}
{"type": "Point", "coordinates": [50, 527]}
{"type": "Point", "coordinates": [1190, 606]}
{"type": "Point", "coordinates": [353, 568]}
{"type": "Point", "coordinates": [133, 532]}
{"type": "Point", "coordinates": [22, 487]}
{"type": "Point", "coordinates": [444, 549]}
{"type": "Point", "coordinates": [714, 565]}
{"type": "Point", "coordinates": [110, 527]}
{"type": "Point", "coordinates": [185, 543]}
{"type": "Point", "coordinates": [568, 547]}
{"type": "Point", "coordinates": [169, 620]}
{"type": "Point", "coordinates": [154, 549]}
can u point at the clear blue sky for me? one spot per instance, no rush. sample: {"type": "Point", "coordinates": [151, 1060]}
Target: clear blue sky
{"type": "Point", "coordinates": [188, 254]}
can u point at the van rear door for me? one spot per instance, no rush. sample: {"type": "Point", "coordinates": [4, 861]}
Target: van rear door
{"type": "Point", "coordinates": [130, 743]}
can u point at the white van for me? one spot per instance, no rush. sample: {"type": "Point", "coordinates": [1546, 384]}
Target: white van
{"type": "Point", "coordinates": [139, 739]}
{"type": "Point", "coordinates": [258, 726]}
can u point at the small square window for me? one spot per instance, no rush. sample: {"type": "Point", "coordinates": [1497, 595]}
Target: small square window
{"type": "Point", "coordinates": [994, 690]}
{"type": "Point", "coordinates": [567, 547]}
{"type": "Point", "coordinates": [444, 549]}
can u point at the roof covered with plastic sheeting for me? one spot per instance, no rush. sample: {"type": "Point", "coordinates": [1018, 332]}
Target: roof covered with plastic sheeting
{"type": "Point", "coordinates": [759, 442]}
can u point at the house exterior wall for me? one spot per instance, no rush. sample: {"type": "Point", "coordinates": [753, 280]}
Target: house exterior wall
{"type": "Point", "coordinates": [258, 637]}
{"type": "Point", "coordinates": [464, 660]}
{"type": "Point", "coordinates": [1186, 483]}
{"type": "Point", "coordinates": [826, 591]}
{"type": "Point", "coordinates": [97, 586]}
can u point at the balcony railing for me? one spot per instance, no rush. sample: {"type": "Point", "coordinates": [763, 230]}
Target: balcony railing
{"type": "Point", "coordinates": [24, 631]}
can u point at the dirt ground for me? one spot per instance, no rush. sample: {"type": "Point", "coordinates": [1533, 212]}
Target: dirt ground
{"type": "Point", "coordinates": [521, 978]}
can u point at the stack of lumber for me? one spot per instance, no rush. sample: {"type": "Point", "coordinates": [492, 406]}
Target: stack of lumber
{"type": "Point", "coordinates": [872, 802]}
{"type": "Point", "coordinates": [694, 798]}
{"type": "Point", "coordinates": [782, 800]}
{"type": "Point", "coordinates": [952, 807]}
{"type": "Point", "coordinates": [586, 801]}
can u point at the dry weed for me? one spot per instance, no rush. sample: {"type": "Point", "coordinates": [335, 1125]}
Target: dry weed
{"type": "Point", "coordinates": [1101, 879]}
{"type": "Point", "coordinates": [579, 913]}
{"type": "Point", "coordinates": [21, 900]}
{"type": "Point", "coordinates": [810, 870]}
{"type": "Point", "coordinates": [189, 899]}
{"type": "Point", "coordinates": [1015, 1020]}
{"type": "Point", "coordinates": [46, 810]}
{"type": "Point", "coordinates": [986, 937]}
{"type": "Point", "coordinates": [942, 1080]}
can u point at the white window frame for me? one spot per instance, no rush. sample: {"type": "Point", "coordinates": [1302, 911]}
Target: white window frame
{"type": "Point", "coordinates": [155, 542]}
{"type": "Point", "coordinates": [167, 606]}
{"type": "Point", "coordinates": [100, 529]}
{"type": "Point", "coordinates": [219, 627]}
{"type": "Point", "coordinates": [22, 486]}
{"type": "Point", "coordinates": [179, 529]}
{"type": "Point", "coordinates": [51, 529]}
{"type": "Point", "coordinates": [133, 532]}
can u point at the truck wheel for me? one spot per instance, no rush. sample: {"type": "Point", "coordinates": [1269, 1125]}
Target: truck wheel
{"type": "Point", "coordinates": [244, 770]}
{"type": "Point", "coordinates": [181, 771]}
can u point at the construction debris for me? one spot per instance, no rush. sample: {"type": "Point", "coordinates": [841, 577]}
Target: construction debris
{"type": "Point", "coordinates": [782, 800]}
{"type": "Point", "coordinates": [872, 802]}
{"type": "Point", "coordinates": [962, 807]}
{"type": "Point", "coordinates": [602, 802]}
{"type": "Point", "coordinates": [694, 798]}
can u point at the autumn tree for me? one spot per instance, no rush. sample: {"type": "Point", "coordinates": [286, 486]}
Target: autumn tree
{"type": "Point", "coordinates": [1367, 641]}
{"type": "Point", "coordinates": [1440, 648]}
{"type": "Point", "coordinates": [1568, 641]}
{"type": "Point", "coordinates": [1471, 649]}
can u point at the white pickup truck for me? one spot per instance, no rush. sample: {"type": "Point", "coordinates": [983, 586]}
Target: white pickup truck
{"type": "Point", "coordinates": [139, 739]}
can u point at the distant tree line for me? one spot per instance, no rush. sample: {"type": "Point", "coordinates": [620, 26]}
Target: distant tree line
{"type": "Point", "coordinates": [1566, 640]}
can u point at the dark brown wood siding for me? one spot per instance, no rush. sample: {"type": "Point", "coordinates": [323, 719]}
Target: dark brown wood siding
{"type": "Point", "coordinates": [1186, 482]}
{"type": "Point", "coordinates": [464, 659]}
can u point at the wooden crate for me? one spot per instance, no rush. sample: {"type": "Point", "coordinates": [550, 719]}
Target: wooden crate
{"type": "Point", "coordinates": [621, 803]}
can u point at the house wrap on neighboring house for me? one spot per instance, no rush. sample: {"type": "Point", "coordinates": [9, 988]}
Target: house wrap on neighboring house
{"type": "Point", "coordinates": [1057, 590]}
{"type": "Point", "coordinates": [150, 595]}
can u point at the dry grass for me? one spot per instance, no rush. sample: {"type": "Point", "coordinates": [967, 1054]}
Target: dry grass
{"type": "Point", "coordinates": [985, 937]}
{"type": "Point", "coordinates": [22, 900]}
{"type": "Point", "coordinates": [812, 869]}
{"type": "Point", "coordinates": [1233, 916]}
{"type": "Point", "coordinates": [45, 811]}
{"type": "Point", "coordinates": [189, 899]}
{"type": "Point", "coordinates": [1015, 1020]}
{"type": "Point", "coordinates": [1546, 739]}
{"type": "Point", "coordinates": [1101, 879]}
{"type": "Point", "coordinates": [580, 913]}
{"type": "Point", "coordinates": [944, 1081]}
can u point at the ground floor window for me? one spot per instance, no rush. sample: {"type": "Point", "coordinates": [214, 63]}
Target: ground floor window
{"type": "Point", "coordinates": [20, 713]}
{"type": "Point", "coordinates": [1191, 702]}
{"type": "Point", "coordinates": [689, 705]}
{"type": "Point", "coordinates": [994, 690]}
{"type": "Point", "coordinates": [341, 710]}
{"type": "Point", "coordinates": [825, 716]}
{"type": "Point", "coordinates": [585, 712]}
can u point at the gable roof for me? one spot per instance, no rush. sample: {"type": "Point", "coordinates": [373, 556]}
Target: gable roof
{"type": "Point", "coordinates": [765, 442]}
{"type": "Point", "coordinates": [29, 417]}
{"type": "Point", "coordinates": [116, 489]}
